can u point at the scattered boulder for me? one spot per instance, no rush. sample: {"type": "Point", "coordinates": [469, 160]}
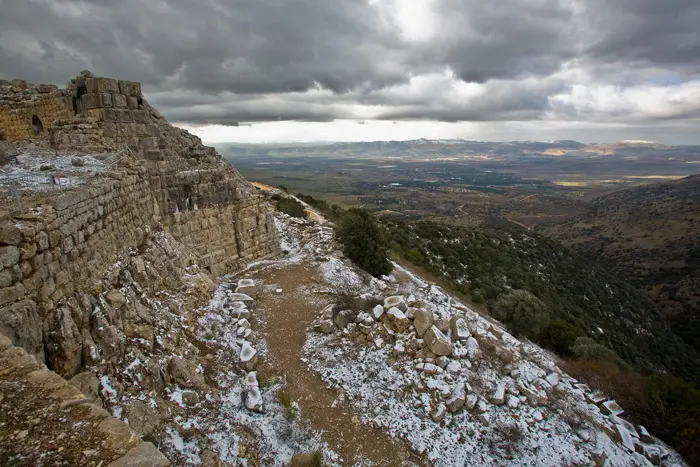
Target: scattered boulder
{"type": "Point", "coordinates": [458, 398]}
{"type": "Point", "coordinates": [249, 356]}
{"type": "Point", "coordinates": [484, 418]}
{"type": "Point", "coordinates": [248, 287]}
{"type": "Point", "coordinates": [552, 379]}
{"type": "Point", "coordinates": [498, 397]}
{"type": "Point", "coordinates": [77, 162]}
{"type": "Point", "coordinates": [397, 301]}
{"type": "Point", "coordinates": [438, 413]}
{"type": "Point", "coordinates": [247, 300]}
{"type": "Point", "coordinates": [343, 318]}
{"type": "Point", "coordinates": [253, 397]}
{"type": "Point", "coordinates": [437, 342]}
{"type": "Point", "coordinates": [189, 398]}
{"type": "Point", "coordinates": [377, 312]}
{"type": "Point", "coordinates": [423, 321]}
{"type": "Point", "coordinates": [460, 329]}
{"type": "Point", "coordinates": [472, 347]}
{"type": "Point", "coordinates": [326, 326]}
{"type": "Point", "coordinates": [442, 324]}
{"type": "Point", "coordinates": [398, 319]}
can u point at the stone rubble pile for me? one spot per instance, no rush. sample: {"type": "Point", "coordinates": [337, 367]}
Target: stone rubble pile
{"type": "Point", "coordinates": [464, 363]}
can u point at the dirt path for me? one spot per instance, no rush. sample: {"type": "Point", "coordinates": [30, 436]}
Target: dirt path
{"type": "Point", "coordinates": [287, 317]}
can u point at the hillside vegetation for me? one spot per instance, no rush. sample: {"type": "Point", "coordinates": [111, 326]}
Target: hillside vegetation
{"type": "Point", "coordinates": [649, 235]}
{"type": "Point", "coordinates": [520, 273]}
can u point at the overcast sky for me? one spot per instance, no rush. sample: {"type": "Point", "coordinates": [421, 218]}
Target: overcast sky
{"type": "Point", "coordinates": [326, 70]}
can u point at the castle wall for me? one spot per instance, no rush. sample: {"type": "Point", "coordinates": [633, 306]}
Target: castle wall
{"type": "Point", "coordinates": [206, 204]}
{"type": "Point", "coordinates": [21, 101]}
{"type": "Point", "coordinates": [48, 261]}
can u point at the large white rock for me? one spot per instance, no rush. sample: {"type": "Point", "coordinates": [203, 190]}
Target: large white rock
{"type": "Point", "coordinates": [437, 342]}
{"type": "Point", "coordinates": [397, 301]}
{"type": "Point", "coordinates": [398, 319]}
{"type": "Point", "coordinates": [422, 321]}
{"type": "Point", "coordinates": [249, 356]}
{"type": "Point", "coordinates": [243, 298]}
{"type": "Point", "coordinates": [612, 407]}
{"type": "Point", "coordinates": [552, 379]}
{"type": "Point", "coordinates": [247, 287]}
{"type": "Point", "coordinates": [253, 398]}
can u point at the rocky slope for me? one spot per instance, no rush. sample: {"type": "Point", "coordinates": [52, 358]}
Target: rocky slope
{"type": "Point", "coordinates": [203, 369]}
{"type": "Point", "coordinates": [650, 235]}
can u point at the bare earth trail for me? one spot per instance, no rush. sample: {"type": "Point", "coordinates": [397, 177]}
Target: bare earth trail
{"type": "Point", "coordinates": [283, 320]}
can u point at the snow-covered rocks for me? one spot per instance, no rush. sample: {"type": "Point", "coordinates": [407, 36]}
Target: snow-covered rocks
{"type": "Point", "coordinates": [499, 395]}
{"type": "Point", "coordinates": [397, 301]}
{"type": "Point", "coordinates": [246, 300]}
{"type": "Point", "coordinates": [253, 398]}
{"type": "Point", "coordinates": [437, 342]}
{"type": "Point", "coordinates": [377, 312]}
{"type": "Point", "coordinates": [458, 398]}
{"type": "Point", "coordinates": [397, 319]}
{"type": "Point", "coordinates": [612, 407]}
{"type": "Point", "coordinates": [248, 287]}
{"type": "Point", "coordinates": [248, 356]}
{"type": "Point", "coordinates": [552, 379]}
{"type": "Point", "coordinates": [459, 327]}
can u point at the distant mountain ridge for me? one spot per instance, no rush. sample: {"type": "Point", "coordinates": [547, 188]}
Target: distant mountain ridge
{"type": "Point", "coordinates": [651, 236]}
{"type": "Point", "coordinates": [471, 148]}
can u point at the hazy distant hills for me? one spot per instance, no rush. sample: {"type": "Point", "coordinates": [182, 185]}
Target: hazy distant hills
{"type": "Point", "coordinates": [651, 236]}
{"type": "Point", "coordinates": [424, 148]}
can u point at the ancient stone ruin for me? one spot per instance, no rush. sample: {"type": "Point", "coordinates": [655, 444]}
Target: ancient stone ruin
{"type": "Point", "coordinates": [52, 255]}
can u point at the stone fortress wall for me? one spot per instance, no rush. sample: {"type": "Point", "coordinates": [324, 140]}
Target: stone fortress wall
{"type": "Point", "coordinates": [54, 260]}
{"type": "Point", "coordinates": [22, 103]}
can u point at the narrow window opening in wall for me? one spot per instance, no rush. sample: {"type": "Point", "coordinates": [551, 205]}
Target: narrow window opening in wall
{"type": "Point", "coordinates": [82, 90]}
{"type": "Point", "coordinates": [37, 126]}
{"type": "Point", "coordinates": [139, 101]}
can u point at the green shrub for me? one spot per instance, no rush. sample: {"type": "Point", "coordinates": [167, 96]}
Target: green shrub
{"type": "Point", "coordinates": [363, 241]}
{"type": "Point", "coordinates": [585, 347]}
{"type": "Point", "coordinates": [291, 206]}
{"type": "Point", "coordinates": [523, 313]}
{"type": "Point", "coordinates": [559, 336]}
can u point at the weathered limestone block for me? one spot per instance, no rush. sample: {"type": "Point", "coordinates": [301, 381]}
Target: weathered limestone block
{"type": "Point", "coordinates": [97, 85]}
{"type": "Point", "coordinates": [130, 88]}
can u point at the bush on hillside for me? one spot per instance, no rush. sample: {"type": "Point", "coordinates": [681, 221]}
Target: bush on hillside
{"type": "Point", "coordinates": [587, 348]}
{"type": "Point", "coordinates": [363, 241]}
{"type": "Point", "coordinates": [522, 312]}
{"type": "Point", "coordinates": [290, 206]}
{"type": "Point", "coordinates": [559, 336]}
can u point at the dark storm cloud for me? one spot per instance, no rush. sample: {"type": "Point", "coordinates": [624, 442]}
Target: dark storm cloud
{"type": "Point", "coordinates": [222, 61]}
{"type": "Point", "coordinates": [644, 33]}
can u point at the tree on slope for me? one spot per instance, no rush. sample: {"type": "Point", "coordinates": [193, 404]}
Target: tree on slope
{"type": "Point", "coordinates": [363, 241]}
